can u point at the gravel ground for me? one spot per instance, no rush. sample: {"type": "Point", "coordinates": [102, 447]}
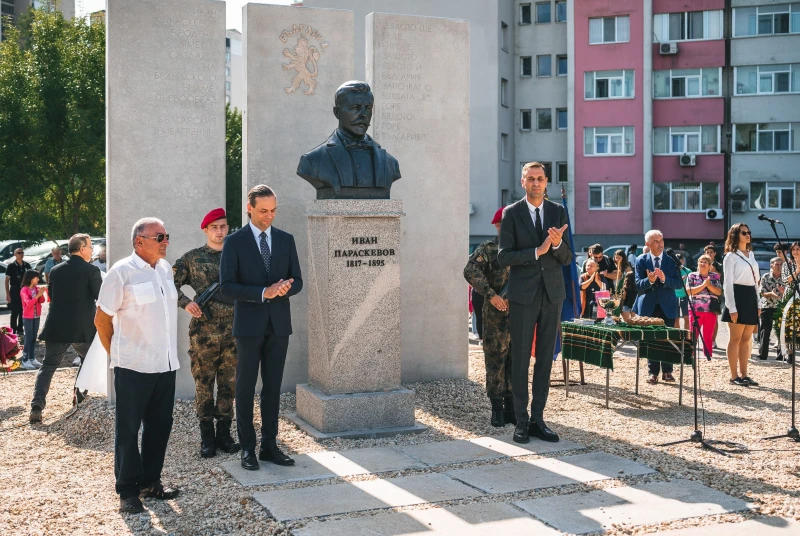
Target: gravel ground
{"type": "Point", "coordinates": [58, 476]}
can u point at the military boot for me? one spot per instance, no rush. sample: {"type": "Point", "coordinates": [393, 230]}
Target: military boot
{"type": "Point", "coordinates": [508, 410]}
{"type": "Point", "coordinates": [207, 448]}
{"type": "Point", "coordinates": [497, 412]}
{"type": "Point", "coordinates": [224, 441]}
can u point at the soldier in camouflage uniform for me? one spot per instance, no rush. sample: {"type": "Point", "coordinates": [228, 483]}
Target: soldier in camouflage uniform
{"type": "Point", "coordinates": [489, 279]}
{"type": "Point", "coordinates": [212, 348]}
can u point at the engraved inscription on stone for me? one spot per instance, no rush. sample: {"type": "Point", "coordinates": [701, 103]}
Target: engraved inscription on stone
{"type": "Point", "coordinates": [358, 253]}
{"type": "Point", "coordinates": [303, 57]}
{"type": "Point", "coordinates": [402, 78]}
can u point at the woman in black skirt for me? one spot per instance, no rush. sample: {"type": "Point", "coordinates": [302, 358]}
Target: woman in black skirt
{"type": "Point", "coordinates": [741, 301]}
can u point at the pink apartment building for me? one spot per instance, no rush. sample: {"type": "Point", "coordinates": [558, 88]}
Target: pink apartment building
{"type": "Point", "coordinates": [646, 132]}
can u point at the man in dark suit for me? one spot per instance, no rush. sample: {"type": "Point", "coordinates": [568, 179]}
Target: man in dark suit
{"type": "Point", "coordinates": [350, 165]}
{"type": "Point", "coordinates": [260, 270]}
{"type": "Point", "coordinates": [657, 277]}
{"type": "Point", "coordinates": [73, 287]}
{"type": "Point", "coordinates": [530, 243]}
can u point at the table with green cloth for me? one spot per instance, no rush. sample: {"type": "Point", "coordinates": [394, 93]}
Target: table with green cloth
{"type": "Point", "coordinates": [595, 344]}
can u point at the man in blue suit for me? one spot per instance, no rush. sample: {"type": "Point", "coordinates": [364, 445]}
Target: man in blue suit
{"type": "Point", "coordinates": [657, 277]}
{"type": "Point", "coordinates": [259, 269]}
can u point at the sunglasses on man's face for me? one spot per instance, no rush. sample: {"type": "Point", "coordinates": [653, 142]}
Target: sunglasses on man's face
{"type": "Point", "coordinates": [160, 237]}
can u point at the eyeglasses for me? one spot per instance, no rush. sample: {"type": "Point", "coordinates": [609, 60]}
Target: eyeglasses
{"type": "Point", "coordinates": [744, 233]}
{"type": "Point", "coordinates": [160, 237]}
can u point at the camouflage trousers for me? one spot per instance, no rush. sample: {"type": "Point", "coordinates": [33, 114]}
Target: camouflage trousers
{"type": "Point", "coordinates": [212, 350]}
{"type": "Point", "coordinates": [496, 354]}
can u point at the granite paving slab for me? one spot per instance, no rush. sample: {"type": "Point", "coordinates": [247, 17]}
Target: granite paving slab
{"type": "Point", "coordinates": [463, 520]}
{"type": "Point", "coordinates": [445, 452]}
{"type": "Point", "coordinates": [299, 503]}
{"type": "Point", "coordinates": [654, 502]}
{"type": "Point", "coordinates": [304, 468]}
{"type": "Point", "coordinates": [545, 473]}
{"type": "Point", "coordinates": [504, 445]}
{"type": "Point", "coordinates": [760, 526]}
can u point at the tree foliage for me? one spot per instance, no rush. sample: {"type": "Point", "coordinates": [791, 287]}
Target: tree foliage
{"type": "Point", "coordinates": [233, 166]}
{"type": "Point", "coordinates": [52, 127]}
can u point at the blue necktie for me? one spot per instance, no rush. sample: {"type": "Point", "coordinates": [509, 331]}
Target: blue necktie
{"type": "Point", "coordinates": [265, 253]}
{"type": "Point", "coordinates": [657, 262]}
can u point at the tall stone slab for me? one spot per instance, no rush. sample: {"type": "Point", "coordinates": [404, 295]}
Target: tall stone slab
{"type": "Point", "coordinates": [418, 68]}
{"type": "Point", "coordinates": [165, 127]}
{"type": "Point", "coordinates": [282, 120]}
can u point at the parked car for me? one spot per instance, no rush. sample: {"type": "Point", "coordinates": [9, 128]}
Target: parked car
{"type": "Point", "coordinates": [7, 248]}
{"type": "Point", "coordinates": [36, 256]}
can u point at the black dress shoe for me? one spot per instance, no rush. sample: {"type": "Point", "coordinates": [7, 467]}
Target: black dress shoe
{"type": "Point", "coordinates": [131, 505]}
{"type": "Point", "coordinates": [521, 434]}
{"type": "Point", "coordinates": [158, 491]}
{"type": "Point", "coordinates": [249, 460]}
{"type": "Point", "coordinates": [274, 455]}
{"type": "Point", "coordinates": [539, 429]}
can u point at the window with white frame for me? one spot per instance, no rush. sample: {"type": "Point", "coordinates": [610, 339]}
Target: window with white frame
{"type": "Point", "coordinates": [526, 66]}
{"type": "Point", "coordinates": [544, 119]}
{"type": "Point", "coordinates": [504, 92]}
{"type": "Point", "coordinates": [608, 84]}
{"type": "Point", "coordinates": [525, 14]}
{"type": "Point", "coordinates": [561, 11]}
{"type": "Point", "coordinates": [766, 137]}
{"type": "Point", "coordinates": [685, 196]}
{"type": "Point", "coordinates": [544, 65]}
{"type": "Point", "coordinates": [542, 12]}
{"type": "Point", "coordinates": [561, 119]}
{"type": "Point", "coordinates": [504, 146]}
{"type": "Point", "coordinates": [525, 119]}
{"type": "Point", "coordinates": [775, 195]}
{"type": "Point", "coordinates": [609, 30]}
{"type": "Point", "coordinates": [562, 170]}
{"type": "Point", "coordinates": [561, 66]}
{"type": "Point", "coordinates": [616, 196]}
{"type": "Point", "coordinates": [607, 141]}
{"type": "Point", "coordinates": [687, 83]}
{"type": "Point", "coordinates": [767, 79]}
{"type": "Point", "coordinates": [687, 26]}
{"type": "Point", "coordinates": [680, 140]}
{"type": "Point", "coordinates": [766, 20]}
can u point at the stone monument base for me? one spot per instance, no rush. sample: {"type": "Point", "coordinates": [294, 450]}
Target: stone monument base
{"type": "Point", "coordinates": [354, 415]}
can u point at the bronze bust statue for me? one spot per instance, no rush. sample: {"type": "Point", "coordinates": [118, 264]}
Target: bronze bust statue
{"type": "Point", "coordinates": [350, 164]}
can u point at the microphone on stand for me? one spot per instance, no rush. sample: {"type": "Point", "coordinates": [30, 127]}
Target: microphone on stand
{"type": "Point", "coordinates": [764, 217]}
{"type": "Point", "coordinates": [671, 254]}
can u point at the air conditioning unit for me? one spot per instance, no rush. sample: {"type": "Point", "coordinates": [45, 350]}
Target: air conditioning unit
{"type": "Point", "coordinates": [668, 49]}
{"type": "Point", "coordinates": [739, 206]}
{"type": "Point", "coordinates": [687, 160]}
{"type": "Point", "coordinates": [713, 214]}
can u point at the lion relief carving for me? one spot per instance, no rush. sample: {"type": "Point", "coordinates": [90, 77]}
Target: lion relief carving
{"type": "Point", "coordinates": [299, 61]}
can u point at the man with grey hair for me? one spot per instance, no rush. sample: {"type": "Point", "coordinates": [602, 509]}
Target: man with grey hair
{"type": "Point", "coordinates": [136, 321]}
{"type": "Point", "coordinates": [73, 287]}
{"type": "Point", "coordinates": [657, 279]}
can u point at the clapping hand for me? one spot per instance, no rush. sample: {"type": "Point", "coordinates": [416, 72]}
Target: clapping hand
{"type": "Point", "coordinates": [278, 289]}
{"type": "Point", "coordinates": [651, 276]}
{"type": "Point", "coordinates": [554, 234]}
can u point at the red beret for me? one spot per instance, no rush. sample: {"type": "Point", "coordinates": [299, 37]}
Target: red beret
{"type": "Point", "coordinates": [214, 215]}
{"type": "Point", "coordinates": [498, 216]}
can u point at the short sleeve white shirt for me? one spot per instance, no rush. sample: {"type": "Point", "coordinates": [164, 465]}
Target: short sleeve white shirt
{"type": "Point", "coordinates": [144, 305]}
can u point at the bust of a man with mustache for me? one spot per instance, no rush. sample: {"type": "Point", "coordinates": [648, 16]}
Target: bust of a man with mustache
{"type": "Point", "coordinates": [350, 164]}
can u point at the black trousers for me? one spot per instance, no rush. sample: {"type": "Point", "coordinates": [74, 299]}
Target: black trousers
{"type": "Point", "coordinates": [654, 367]}
{"type": "Point", "coordinates": [269, 352]}
{"type": "Point", "coordinates": [16, 310]}
{"type": "Point", "coordinates": [544, 317]}
{"type": "Point", "coordinates": [764, 332]}
{"type": "Point", "coordinates": [53, 352]}
{"type": "Point", "coordinates": [477, 310]}
{"type": "Point", "coordinates": [143, 401]}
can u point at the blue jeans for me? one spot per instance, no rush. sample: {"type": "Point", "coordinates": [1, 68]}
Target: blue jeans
{"type": "Point", "coordinates": [31, 327]}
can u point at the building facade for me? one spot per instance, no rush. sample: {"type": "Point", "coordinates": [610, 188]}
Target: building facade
{"type": "Point", "coordinates": [234, 69]}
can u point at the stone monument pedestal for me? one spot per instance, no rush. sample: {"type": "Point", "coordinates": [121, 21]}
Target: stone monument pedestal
{"type": "Point", "coordinates": [353, 284]}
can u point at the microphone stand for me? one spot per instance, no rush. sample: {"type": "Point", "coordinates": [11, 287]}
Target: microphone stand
{"type": "Point", "coordinates": [792, 433]}
{"type": "Point", "coordinates": [697, 435]}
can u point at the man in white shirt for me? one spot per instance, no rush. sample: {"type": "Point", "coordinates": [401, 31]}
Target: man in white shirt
{"type": "Point", "coordinates": [136, 321]}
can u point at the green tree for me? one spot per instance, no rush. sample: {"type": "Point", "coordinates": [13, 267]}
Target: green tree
{"type": "Point", "coordinates": [233, 166]}
{"type": "Point", "coordinates": [52, 127]}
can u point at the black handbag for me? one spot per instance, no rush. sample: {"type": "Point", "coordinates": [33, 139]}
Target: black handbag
{"type": "Point", "coordinates": [714, 305]}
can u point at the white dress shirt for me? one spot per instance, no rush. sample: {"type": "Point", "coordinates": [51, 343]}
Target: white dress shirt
{"type": "Point", "coordinates": [739, 270]}
{"type": "Point", "coordinates": [144, 305]}
{"type": "Point", "coordinates": [532, 210]}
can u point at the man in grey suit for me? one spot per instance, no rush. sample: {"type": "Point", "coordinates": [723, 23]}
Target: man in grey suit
{"type": "Point", "coordinates": [530, 243]}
